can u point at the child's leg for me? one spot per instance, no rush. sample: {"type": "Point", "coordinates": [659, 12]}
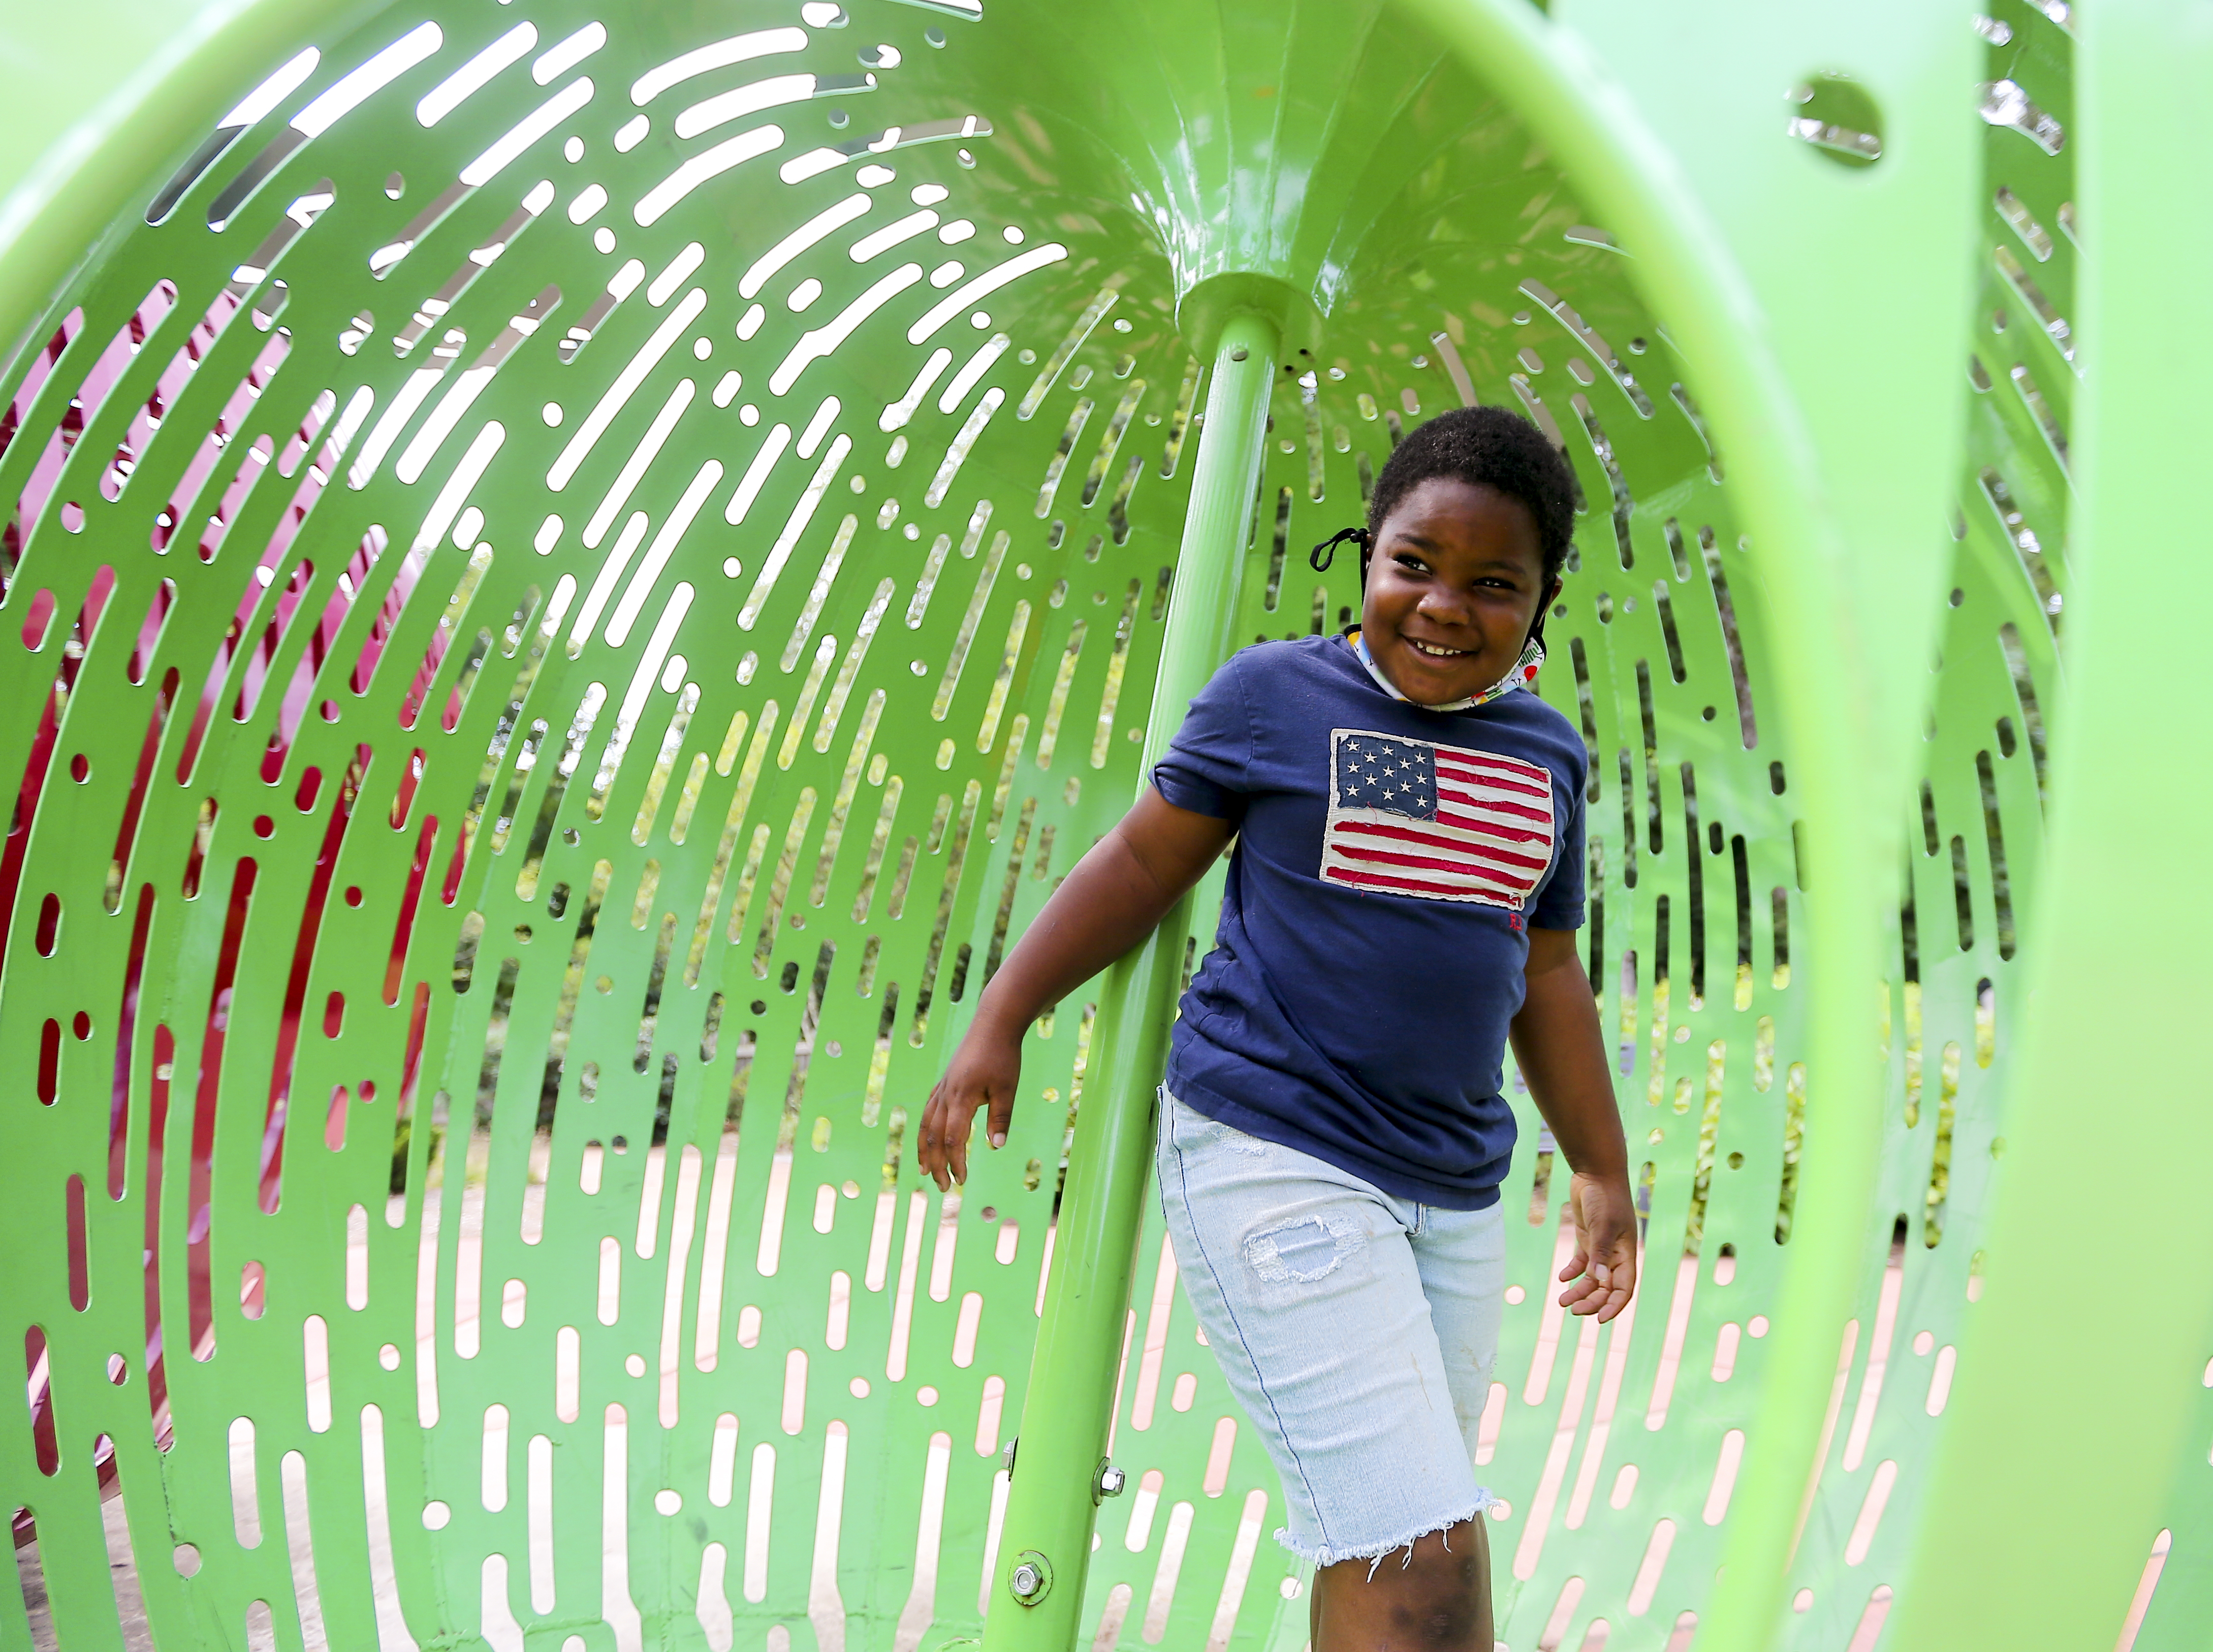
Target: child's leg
{"type": "Point", "coordinates": [1440, 1600]}
{"type": "Point", "coordinates": [1305, 1281]}
{"type": "Point", "coordinates": [1441, 1595]}
{"type": "Point", "coordinates": [1462, 1257]}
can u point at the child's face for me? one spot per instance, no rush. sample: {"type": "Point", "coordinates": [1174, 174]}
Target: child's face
{"type": "Point", "coordinates": [1455, 582]}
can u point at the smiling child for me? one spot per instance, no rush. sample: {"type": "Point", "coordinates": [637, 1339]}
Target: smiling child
{"type": "Point", "coordinates": [1401, 903]}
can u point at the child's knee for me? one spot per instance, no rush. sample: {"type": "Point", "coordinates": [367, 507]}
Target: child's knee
{"type": "Point", "coordinates": [1441, 1600]}
{"type": "Point", "coordinates": [1457, 1557]}
{"type": "Point", "coordinates": [1434, 1592]}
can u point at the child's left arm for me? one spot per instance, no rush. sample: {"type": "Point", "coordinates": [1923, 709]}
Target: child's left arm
{"type": "Point", "coordinates": [1562, 1053]}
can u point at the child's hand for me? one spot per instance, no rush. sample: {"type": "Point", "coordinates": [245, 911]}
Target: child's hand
{"type": "Point", "coordinates": [1109, 903]}
{"type": "Point", "coordinates": [1605, 1245]}
{"type": "Point", "coordinates": [983, 1073]}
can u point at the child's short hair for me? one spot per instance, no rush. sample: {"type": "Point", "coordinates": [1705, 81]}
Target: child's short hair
{"type": "Point", "coordinates": [1492, 447]}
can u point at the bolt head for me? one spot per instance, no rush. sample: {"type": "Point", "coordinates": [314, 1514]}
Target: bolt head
{"type": "Point", "coordinates": [1111, 1482]}
{"type": "Point", "coordinates": [1031, 1579]}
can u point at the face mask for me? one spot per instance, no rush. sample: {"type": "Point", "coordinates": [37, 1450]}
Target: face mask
{"type": "Point", "coordinates": [1523, 675]}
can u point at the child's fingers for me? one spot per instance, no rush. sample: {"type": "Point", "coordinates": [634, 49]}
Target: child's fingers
{"type": "Point", "coordinates": [1618, 1279]}
{"type": "Point", "coordinates": [1002, 1116]}
{"type": "Point", "coordinates": [933, 1152]}
{"type": "Point", "coordinates": [960, 1143]}
{"type": "Point", "coordinates": [924, 1134]}
{"type": "Point", "coordinates": [1604, 1290]}
{"type": "Point", "coordinates": [1621, 1257]}
{"type": "Point", "coordinates": [961, 1116]}
{"type": "Point", "coordinates": [1590, 1299]}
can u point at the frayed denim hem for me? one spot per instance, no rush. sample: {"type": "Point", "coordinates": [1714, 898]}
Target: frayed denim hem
{"type": "Point", "coordinates": [1322, 1554]}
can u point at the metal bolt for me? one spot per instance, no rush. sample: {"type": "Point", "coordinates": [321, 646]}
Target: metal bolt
{"type": "Point", "coordinates": [1031, 1578]}
{"type": "Point", "coordinates": [1111, 1481]}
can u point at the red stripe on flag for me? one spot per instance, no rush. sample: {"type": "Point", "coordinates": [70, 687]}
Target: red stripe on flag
{"type": "Point", "coordinates": [1417, 863]}
{"type": "Point", "coordinates": [1491, 792]}
{"type": "Point", "coordinates": [1509, 785]}
{"type": "Point", "coordinates": [1497, 772]}
{"type": "Point", "coordinates": [1476, 853]}
{"type": "Point", "coordinates": [1405, 885]}
{"type": "Point", "coordinates": [1539, 817]}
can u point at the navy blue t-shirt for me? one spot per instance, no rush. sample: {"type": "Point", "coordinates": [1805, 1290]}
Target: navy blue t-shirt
{"type": "Point", "coordinates": [1389, 862]}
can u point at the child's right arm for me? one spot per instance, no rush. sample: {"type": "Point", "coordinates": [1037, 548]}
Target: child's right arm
{"type": "Point", "coordinates": [1114, 898]}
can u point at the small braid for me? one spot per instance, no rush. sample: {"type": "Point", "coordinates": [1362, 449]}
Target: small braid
{"type": "Point", "coordinates": [1486, 447]}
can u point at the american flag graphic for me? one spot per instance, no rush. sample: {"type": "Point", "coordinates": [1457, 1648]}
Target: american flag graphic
{"type": "Point", "coordinates": [1436, 822]}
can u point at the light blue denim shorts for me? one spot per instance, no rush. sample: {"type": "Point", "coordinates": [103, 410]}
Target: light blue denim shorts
{"type": "Point", "coordinates": [1357, 1328]}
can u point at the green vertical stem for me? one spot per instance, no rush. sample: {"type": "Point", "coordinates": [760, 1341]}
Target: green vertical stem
{"type": "Point", "coordinates": [2068, 1441]}
{"type": "Point", "coordinates": [1067, 1408]}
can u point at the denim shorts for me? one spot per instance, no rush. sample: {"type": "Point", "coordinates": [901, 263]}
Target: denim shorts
{"type": "Point", "coordinates": [1357, 1328]}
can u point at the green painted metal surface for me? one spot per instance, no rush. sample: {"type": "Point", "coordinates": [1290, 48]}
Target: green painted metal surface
{"type": "Point", "coordinates": [1069, 1403]}
{"type": "Point", "coordinates": [561, 613]}
{"type": "Point", "coordinates": [60, 65]}
{"type": "Point", "coordinates": [2111, 981]}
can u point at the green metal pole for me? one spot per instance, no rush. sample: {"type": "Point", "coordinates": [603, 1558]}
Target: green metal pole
{"type": "Point", "coordinates": [1045, 1549]}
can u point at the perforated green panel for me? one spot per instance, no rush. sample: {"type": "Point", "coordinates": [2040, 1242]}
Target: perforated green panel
{"type": "Point", "coordinates": [573, 579]}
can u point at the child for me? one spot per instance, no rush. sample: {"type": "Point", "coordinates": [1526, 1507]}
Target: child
{"type": "Point", "coordinates": [1402, 900]}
